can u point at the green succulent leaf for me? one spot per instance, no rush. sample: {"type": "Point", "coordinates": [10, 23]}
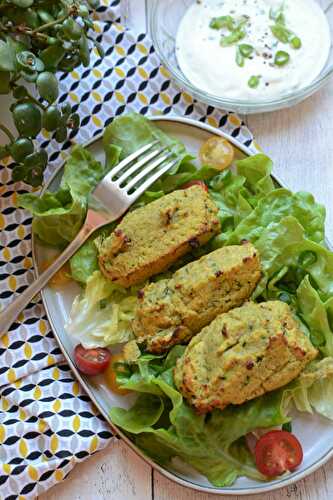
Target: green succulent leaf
{"type": "Point", "coordinates": [72, 29]}
{"type": "Point", "coordinates": [21, 148]}
{"type": "Point", "coordinates": [32, 169]}
{"type": "Point", "coordinates": [66, 109]}
{"type": "Point", "coordinates": [7, 56]}
{"type": "Point", "coordinates": [69, 62]}
{"type": "Point", "coordinates": [51, 118]}
{"type": "Point", "coordinates": [74, 121]}
{"type": "Point", "coordinates": [38, 159]}
{"type": "Point", "coordinates": [19, 92]}
{"type": "Point", "coordinates": [27, 119]}
{"type": "Point", "coordinates": [47, 85]}
{"type": "Point", "coordinates": [24, 4]}
{"type": "Point", "coordinates": [29, 62]}
{"type": "Point", "coordinates": [29, 77]}
{"type": "Point", "coordinates": [61, 134]}
{"type": "Point", "coordinates": [45, 16]}
{"type": "Point", "coordinates": [52, 56]}
{"type": "Point", "coordinates": [84, 50]}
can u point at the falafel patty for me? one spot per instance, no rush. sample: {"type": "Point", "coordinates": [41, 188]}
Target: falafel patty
{"type": "Point", "coordinates": [241, 355]}
{"type": "Point", "coordinates": [151, 238]}
{"type": "Point", "coordinates": [171, 311]}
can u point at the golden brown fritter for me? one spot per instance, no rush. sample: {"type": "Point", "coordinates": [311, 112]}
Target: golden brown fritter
{"type": "Point", "coordinates": [242, 354]}
{"type": "Point", "coordinates": [171, 311]}
{"type": "Point", "coordinates": [149, 239]}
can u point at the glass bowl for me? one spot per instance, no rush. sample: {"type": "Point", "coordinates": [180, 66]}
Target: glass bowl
{"type": "Point", "coordinates": [164, 17]}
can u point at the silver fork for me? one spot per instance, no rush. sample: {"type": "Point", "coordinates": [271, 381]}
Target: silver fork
{"type": "Point", "coordinates": [117, 191]}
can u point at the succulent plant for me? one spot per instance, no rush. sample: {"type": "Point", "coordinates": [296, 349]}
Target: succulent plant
{"type": "Point", "coordinates": [37, 39]}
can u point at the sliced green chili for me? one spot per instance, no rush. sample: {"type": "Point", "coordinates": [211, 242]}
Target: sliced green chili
{"type": "Point", "coordinates": [281, 32]}
{"type": "Point", "coordinates": [245, 49]}
{"type": "Point", "coordinates": [218, 23]}
{"type": "Point", "coordinates": [295, 42]}
{"type": "Point", "coordinates": [234, 37]}
{"type": "Point", "coordinates": [239, 57]}
{"type": "Point", "coordinates": [254, 81]}
{"type": "Point", "coordinates": [281, 58]}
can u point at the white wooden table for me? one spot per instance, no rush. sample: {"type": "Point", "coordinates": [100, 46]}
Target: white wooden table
{"type": "Point", "coordinates": [300, 141]}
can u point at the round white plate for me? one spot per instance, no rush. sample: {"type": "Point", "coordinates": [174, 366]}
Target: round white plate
{"type": "Point", "coordinates": [314, 432]}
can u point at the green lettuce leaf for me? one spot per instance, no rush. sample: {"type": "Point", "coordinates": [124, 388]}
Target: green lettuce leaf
{"type": "Point", "coordinates": [132, 131]}
{"type": "Point", "coordinates": [312, 390]}
{"type": "Point", "coordinates": [287, 256]}
{"type": "Point", "coordinates": [257, 172]}
{"type": "Point", "coordinates": [235, 194]}
{"type": "Point", "coordinates": [102, 314]}
{"type": "Point", "coordinates": [85, 262]}
{"type": "Point", "coordinates": [168, 427]}
{"type": "Point", "coordinates": [277, 205]}
{"type": "Point", "coordinates": [316, 315]}
{"type": "Point", "coordinates": [59, 216]}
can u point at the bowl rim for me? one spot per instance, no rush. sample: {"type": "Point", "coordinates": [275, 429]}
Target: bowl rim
{"type": "Point", "coordinates": [238, 105]}
{"type": "Point", "coordinates": [118, 433]}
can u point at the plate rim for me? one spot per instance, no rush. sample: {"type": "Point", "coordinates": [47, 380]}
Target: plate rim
{"type": "Point", "coordinates": [265, 487]}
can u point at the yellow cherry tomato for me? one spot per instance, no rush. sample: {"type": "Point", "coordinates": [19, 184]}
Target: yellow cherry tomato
{"type": "Point", "coordinates": [111, 377]}
{"type": "Point", "coordinates": [61, 277]}
{"type": "Point", "coordinates": [217, 152]}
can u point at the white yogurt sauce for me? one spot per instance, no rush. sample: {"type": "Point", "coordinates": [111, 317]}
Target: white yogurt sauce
{"type": "Point", "coordinates": [213, 68]}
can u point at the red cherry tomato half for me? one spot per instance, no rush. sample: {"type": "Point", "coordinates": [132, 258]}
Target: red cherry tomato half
{"type": "Point", "coordinates": [277, 452]}
{"type": "Point", "coordinates": [194, 183]}
{"type": "Point", "coordinates": [91, 361]}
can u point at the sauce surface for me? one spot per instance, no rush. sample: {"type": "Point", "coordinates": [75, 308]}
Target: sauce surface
{"type": "Point", "coordinates": [257, 65]}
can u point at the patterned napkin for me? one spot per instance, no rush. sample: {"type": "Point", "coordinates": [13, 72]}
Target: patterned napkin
{"type": "Point", "coordinates": [47, 422]}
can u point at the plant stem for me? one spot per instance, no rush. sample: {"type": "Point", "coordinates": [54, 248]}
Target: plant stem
{"type": "Point", "coordinates": [23, 31]}
{"type": "Point", "coordinates": [7, 132]}
{"type": "Point", "coordinates": [49, 25]}
{"type": "Point", "coordinates": [33, 99]}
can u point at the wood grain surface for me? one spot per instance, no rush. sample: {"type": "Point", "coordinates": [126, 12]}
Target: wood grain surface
{"type": "Point", "coordinates": [300, 141]}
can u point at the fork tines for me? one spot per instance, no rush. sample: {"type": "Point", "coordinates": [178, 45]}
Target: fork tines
{"type": "Point", "coordinates": [139, 170]}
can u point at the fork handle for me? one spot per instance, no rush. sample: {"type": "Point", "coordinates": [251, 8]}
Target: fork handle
{"type": "Point", "coordinates": [10, 313]}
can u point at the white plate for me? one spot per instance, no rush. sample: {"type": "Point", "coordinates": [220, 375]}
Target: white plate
{"type": "Point", "coordinates": [314, 432]}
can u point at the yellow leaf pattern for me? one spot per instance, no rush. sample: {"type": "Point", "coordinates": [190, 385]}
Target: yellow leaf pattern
{"type": "Point", "coordinates": [23, 448]}
{"type": "Point", "coordinates": [76, 423]}
{"type": "Point", "coordinates": [56, 405]}
{"type": "Point", "coordinates": [54, 444]}
{"type": "Point", "coordinates": [33, 473]}
{"type": "Point", "coordinates": [2, 433]}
